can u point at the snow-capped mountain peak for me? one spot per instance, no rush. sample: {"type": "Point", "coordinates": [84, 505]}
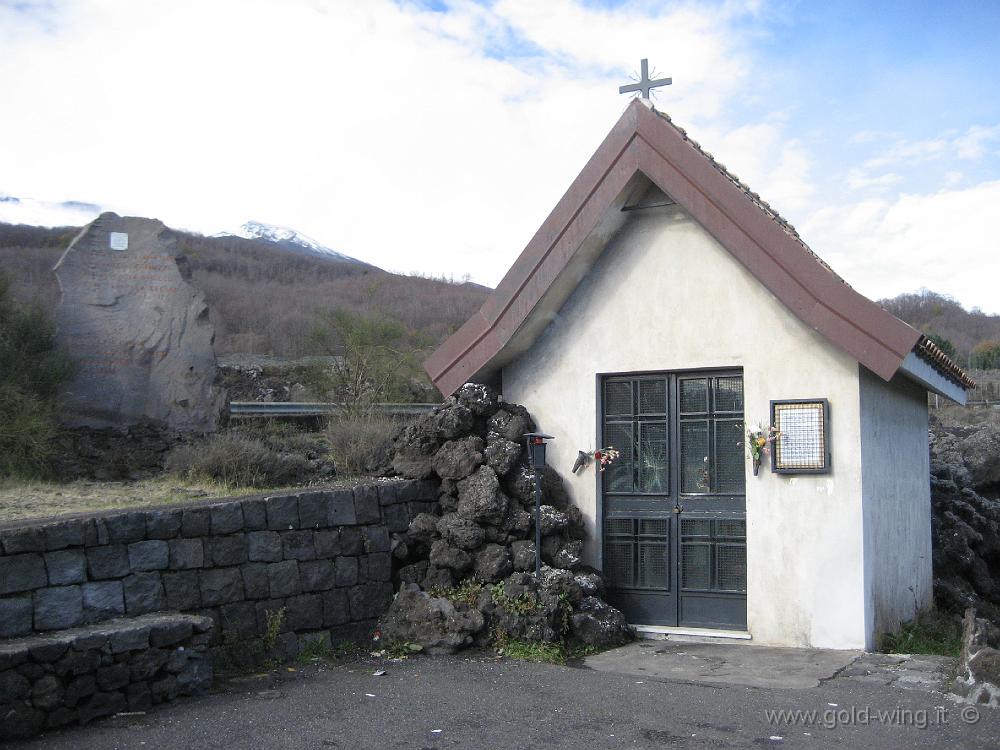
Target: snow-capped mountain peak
{"type": "Point", "coordinates": [287, 237]}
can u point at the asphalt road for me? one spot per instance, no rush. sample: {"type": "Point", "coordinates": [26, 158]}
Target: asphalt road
{"type": "Point", "coordinates": [478, 702]}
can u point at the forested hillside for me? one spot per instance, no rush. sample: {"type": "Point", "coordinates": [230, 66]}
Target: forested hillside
{"type": "Point", "coordinates": [265, 298]}
{"type": "Point", "coordinates": [268, 299]}
{"type": "Point", "coordinates": [969, 332]}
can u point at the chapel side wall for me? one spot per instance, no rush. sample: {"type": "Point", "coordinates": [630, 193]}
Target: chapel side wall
{"type": "Point", "coordinates": [896, 496]}
{"type": "Point", "coordinates": [665, 295]}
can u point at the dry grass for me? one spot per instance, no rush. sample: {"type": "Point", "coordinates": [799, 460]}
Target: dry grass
{"type": "Point", "coordinates": [360, 444]}
{"type": "Point", "coordinates": [236, 460]}
{"type": "Point", "coordinates": [23, 499]}
{"type": "Point", "coordinates": [28, 499]}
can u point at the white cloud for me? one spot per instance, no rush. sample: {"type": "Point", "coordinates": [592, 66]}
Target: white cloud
{"type": "Point", "coordinates": [763, 155]}
{"type": "Point", "coordinates": [46, 213]}
{"type": "Point", "coordinates": [972, 144]}
{"type": "Point", "coordinates": [332, 117]}
{"type": "Point", "coordinates": [945, 241]}
{"type": "Point", "coordinates": [413, 139]}
{"type": "Point", "coordinates": [858, 179]}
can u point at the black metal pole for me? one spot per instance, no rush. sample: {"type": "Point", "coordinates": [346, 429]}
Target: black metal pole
{"type": "Point", "coordinates": [538, 525]}
{"type": "Point", "coordinates": [535, 443]}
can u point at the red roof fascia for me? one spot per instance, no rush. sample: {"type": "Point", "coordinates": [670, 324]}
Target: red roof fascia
{"type": "Point", "coordinates": [642, 140]}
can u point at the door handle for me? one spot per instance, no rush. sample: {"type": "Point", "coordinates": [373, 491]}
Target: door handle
{"type": "Point", "coordinates": [678, 508]}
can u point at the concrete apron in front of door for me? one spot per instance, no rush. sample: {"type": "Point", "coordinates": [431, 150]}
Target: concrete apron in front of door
{"type": "Point", "coordinates": [747, 665]}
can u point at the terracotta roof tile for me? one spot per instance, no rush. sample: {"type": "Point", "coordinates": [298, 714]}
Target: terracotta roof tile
{"type": "Point", "coordinates": [931, 353]}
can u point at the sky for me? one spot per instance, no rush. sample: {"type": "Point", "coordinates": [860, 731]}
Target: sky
{"type": "Point", "coordinates": [436, 136]}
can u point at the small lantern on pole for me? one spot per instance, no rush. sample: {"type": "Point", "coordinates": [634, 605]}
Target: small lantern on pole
{"type": "Point", "coordinates": [535, 442]}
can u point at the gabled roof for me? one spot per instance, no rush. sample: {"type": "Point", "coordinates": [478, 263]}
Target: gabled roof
{"type": "Point", "coordinates": [647, 142]}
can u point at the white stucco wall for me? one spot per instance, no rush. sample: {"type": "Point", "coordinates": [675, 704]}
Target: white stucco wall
{"type": "Point", "coordinates": [665, 295]}
{"type": "Point", "coordinates": [897, 502]}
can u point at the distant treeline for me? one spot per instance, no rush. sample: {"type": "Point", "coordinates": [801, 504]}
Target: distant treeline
{"type": "Point", "coordinates": [970, 337]}
{"type": "Point", "coordinates": [265, 298]}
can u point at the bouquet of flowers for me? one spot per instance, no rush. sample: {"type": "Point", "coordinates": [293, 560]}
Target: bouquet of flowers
{"type": "Point", "coordinates": [603, 457]}
{"type": "Point", "coordinates": [759, 443]}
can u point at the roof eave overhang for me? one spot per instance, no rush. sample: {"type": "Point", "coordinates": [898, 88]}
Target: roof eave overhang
{"type": "Point", "coordinates": [920, 370]}
{"type": "Point", "coordinates": [643, 141]}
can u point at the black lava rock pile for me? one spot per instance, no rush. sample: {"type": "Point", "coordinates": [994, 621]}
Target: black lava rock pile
{"type": "Point", "coordinates": [965, 468]}
{"type": "Point", "coordinates": [466, 575]}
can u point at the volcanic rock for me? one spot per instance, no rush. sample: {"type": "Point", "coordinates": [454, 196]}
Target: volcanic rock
{"type": "Point", "coordinates": [480, 399]}
{"type": "Point", "coordinates": [492, 563]}
{"type": "Point", "coordinates": [501, 454]}
{"type": "Point", "coordinates": [460, 532]}
{"type": "Point", "coordinates": [138, 331]}
{"type": "Point", "coordinates": [511, 421]}
{"type": "Point", "coordinates": [596, 623]}
{"type": "Point", "coordinates": [457, 459]}
{"type": "Point", "coordinates": [443, 555]}
{"type": "Point", "coordinates": [480, 498]}
{"type": "Point", "coordinates": [436, 624]}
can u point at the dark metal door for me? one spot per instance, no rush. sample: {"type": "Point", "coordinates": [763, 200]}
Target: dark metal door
{"type": "Point", "coordinates": [674, 509]}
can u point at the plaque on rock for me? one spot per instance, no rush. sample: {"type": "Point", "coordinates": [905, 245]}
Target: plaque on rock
{"type": "Point", "coordinates": [137, 330]}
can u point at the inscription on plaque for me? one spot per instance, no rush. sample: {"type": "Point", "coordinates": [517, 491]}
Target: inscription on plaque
{"type": "Point", "coordinates": [137, 330]}
{"type": "Point", "coordinates": [802, 446]}
{"type": "Point", "coordinates": [118, 240]}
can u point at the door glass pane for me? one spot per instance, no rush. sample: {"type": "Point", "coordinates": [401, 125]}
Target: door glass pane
{"type": "Point", "coordinates": [618, 476]}
{"type": "Point", "coordinates": [730, 476]}
{"type": "Point", "coordinates": [653, 560]}
{"type": "Point", "coordinates": [694, 456]}
{"type": "Point", "coordinates": [653, 396]}
{"type": "Point", "coordinates": [729, 394]}
{"type": "Point", "coordinates": [618, 398]}
{"type": "Point", "coordinates": [731, 528]}
{"type": "Point", "coordinates": [694, 395]}
{"type": "Point", "coordinates": [731, 560]}
{"type": "Point", "coordinates": [653, 457]}
{"type": "Point", "coordinates": [618, 564]}
{"type": "Point", "coordinates": [696, 565]}
{"type": "Point", "coordinates": [692, 527]}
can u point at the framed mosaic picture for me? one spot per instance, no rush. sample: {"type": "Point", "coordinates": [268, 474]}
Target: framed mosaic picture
{"type": "Point", "coordinates": [803, 443]}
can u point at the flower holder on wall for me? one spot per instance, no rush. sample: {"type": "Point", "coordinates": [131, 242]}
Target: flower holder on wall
{"type": "Point", "coordinates": [759, 443]}
{"type": "Point", "coordinates": [603, 456]}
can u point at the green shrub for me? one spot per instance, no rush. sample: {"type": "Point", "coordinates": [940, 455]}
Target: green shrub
{"type": "Point", "coordinates": [985, 356]}
{"type": "Point", "coordinates": [547, 653]}
{"type": "Point", "coordinates": [237, 461]}
{"type": "Point", "coordinates": [361, 444]}
{"type": "Point", "coordinates": [371, 361]}
{"type": "Point", "coordinates": [930, 632]}
{"type": "Point", "coordinates": [33, 372]}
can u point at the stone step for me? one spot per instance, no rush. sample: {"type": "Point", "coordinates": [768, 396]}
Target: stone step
{"type": "Point", "coordinates": [79, 674]}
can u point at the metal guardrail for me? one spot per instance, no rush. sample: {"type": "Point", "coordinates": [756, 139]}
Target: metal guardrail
{"type": "Point", "coordinates": [316, 409]}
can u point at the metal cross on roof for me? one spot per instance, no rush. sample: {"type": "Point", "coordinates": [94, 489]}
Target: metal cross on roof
{"type": "Point", "coordinates": [644, 84]}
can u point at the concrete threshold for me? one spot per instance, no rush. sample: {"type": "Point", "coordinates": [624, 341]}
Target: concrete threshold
{"type": "Point", "coordinates": [723, 663]}
{"type": "Point", "coordinates": [665, 632]}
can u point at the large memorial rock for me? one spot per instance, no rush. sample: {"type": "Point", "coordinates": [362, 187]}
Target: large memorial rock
{"type": "Point", "coordinates": [138, 331]}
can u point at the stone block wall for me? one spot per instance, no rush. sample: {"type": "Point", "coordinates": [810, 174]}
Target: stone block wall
{"type": "Point", "coordinates": [77, 675]}
{"type": "Point", "coordinates": [320, 558]}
